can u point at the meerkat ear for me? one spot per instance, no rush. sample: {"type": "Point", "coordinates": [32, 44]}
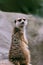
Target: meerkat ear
{"type": "Point", "coordinates": [15, 21]}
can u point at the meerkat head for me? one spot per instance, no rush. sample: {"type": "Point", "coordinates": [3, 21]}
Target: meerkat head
{"type": "Point", "coordinates": [20, 23]}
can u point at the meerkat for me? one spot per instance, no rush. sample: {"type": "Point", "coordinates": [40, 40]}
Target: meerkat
{"type": "Point", "coordinates": [19, 53]}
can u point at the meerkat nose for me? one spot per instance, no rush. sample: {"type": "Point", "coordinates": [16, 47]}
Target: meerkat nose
{"type": "Point", "coordinates": [22, 22]}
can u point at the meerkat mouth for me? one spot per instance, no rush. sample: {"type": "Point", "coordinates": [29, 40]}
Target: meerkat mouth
{"type": "Point", "coordinates": [22, 25]}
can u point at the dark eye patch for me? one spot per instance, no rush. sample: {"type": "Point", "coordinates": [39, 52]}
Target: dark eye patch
{"type": "Point", "coordinates": [19, 20]}
{"type": "Point", "coordinates": [15, 21]}
{"type": "Point", "coordinates": [24, 19]}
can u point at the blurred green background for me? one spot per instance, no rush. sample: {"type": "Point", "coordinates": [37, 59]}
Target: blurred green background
{"type": "Point", "coordinates": [23, 6]}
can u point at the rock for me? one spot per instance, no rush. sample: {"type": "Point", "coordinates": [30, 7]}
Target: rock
{"type": "Point", "coordinates": [5, 62]}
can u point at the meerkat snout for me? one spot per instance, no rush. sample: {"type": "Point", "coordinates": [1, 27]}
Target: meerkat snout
{"type": "Point", "coordinates": [22, 22]}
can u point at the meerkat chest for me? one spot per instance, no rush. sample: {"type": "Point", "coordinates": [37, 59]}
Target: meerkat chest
{"type": "Point", "coordinates": [17, 45]}
{"type": "Point", "coordinates": [18, 41]}
{"type": "Point", "coordinates": [18, 37]}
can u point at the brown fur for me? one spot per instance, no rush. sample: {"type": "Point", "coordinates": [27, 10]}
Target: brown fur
{"type": "Point", "coordinates": [19, 53]}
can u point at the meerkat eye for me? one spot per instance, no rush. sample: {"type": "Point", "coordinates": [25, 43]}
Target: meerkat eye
{"type": "Point", "coordinates": [15, 21]}
{"type": "Point", "coordinates": [19, 20]}
{"type": "Point", "coordinates": [24, 19]}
